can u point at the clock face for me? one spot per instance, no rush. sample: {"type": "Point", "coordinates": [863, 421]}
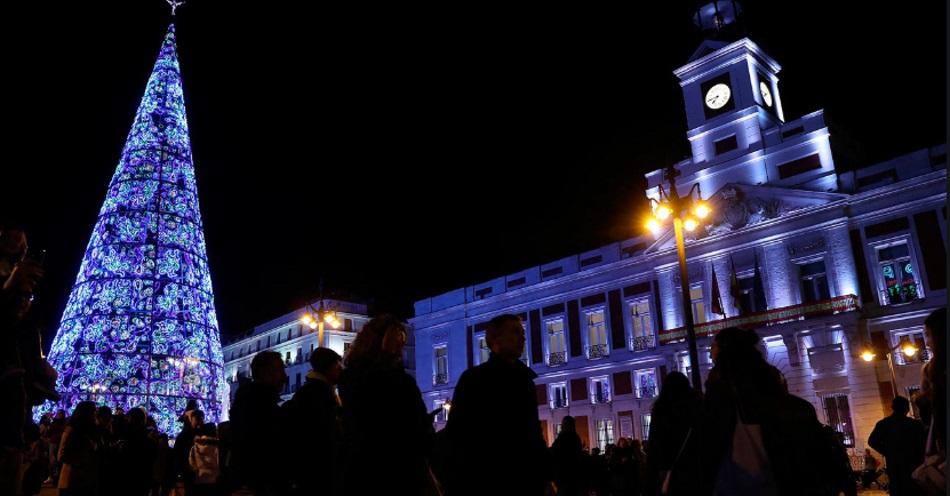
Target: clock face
{"type": "Point", "coordinates": [766, 93]}
{"type": "Point", "coordinates": [717, 96]}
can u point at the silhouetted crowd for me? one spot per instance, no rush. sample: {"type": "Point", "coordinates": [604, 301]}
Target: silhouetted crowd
{"type": "Point", "coordinates": [359, 426]}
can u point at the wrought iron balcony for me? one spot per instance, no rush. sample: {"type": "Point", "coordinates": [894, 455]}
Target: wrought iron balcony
{"type": "Point", "coordinates": [838, 304]}
{"type": "Point", "coordinates": [557, 358]}
{"type": "Point", "coordinates": [440, 378]}
{"type": "Point", "coordinates": [896, 295]}
{"type": "Point", "coordinates": [646, 391]}
{"type": "Point", "coordinates": [597, 351]}
{"type": "Point", "coordinates": [643, 343]}
{"type": "Point", "coordinates": [559, 403]}
{"type": "Point", "coordinates": [600, 396]}
{"type": "Point", "coordinates": [922, 355]}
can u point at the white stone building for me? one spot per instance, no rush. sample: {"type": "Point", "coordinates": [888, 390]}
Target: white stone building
{"type": "Point", "coordinates": [849, 261]}
{"type": "Point", "coordinates": [294, 341]}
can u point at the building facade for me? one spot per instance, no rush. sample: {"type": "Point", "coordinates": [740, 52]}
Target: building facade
{"type": "Point", "coordinates": [294, 341]}
{"type": "Point", "coordinates": [848, 262]}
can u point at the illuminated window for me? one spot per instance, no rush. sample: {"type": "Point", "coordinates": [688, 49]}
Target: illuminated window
{"type": "Point", "coordinates": [900, 339]}
{"type": "Point", "coordinates": [557, 346]}
{"type": "Point", "coordinates": [698, 304]}
{"type": "Point", "coordinates": [441, 356]}
{"type": "Point", "coordinates": [605, 433]}
{"type": "Point", "coordinates": [596, 334]}
{"type": "Point", "coordinates": [897, 274]}
{"type": "Point", "coordinates": [558, 394]}
{"type": "Point", "coordinates": [641, 325]}
{"type": "Point", "coordinates": [646, 383]}
{"type": "Point", "coordinates": [483, 350]}
{"type": "Point", "coordinates": [443, 415]}
{"type": "Point", "coordinates": [600, 390]}
{"type": "Point", "coordinates": [814, 281]}
{"type": "Point", "coordinates": [838, 416]}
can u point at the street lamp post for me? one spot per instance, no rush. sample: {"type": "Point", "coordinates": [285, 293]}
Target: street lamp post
{"type": "Point", "coordinates": [909, 351]}
{"type": "Point", "coordinates": [315, 320]}
{"type": "Point", "coordinates": [684, 211]}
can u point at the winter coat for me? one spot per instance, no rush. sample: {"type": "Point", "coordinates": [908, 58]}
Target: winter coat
{"type": "Point", "coordinates": [259, 448]}
{"type": "Point", "coordinates": [388, 433]}
{"type": "Point", "coordinates": [494, 428]}
{"type": "Point", "coordinates": [668, 436]}
{"type": "Point", "coordinates": [800, 459]}
{"type": "Point", "coordinates": [315, 416]}
{"type": "Point", "coordinates": [567, 456]}
{"type": "Point", "coordinates": [78, 454]}
{"type": "Point", "coordinates": [902, 441]}
{"type": "Point", "coordinates": [203, 460]}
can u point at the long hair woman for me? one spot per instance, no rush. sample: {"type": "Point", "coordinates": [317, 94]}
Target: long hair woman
{"type": "Point", "coordinates": [388, 434]}
{"type": "Point", "coordinates": [672, 464]}
{"type": "Point", "coordinates": [78, 453]}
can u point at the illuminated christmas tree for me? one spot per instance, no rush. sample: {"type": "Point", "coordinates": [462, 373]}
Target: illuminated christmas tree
{"type": "Point", "coordinates": [140, 327]}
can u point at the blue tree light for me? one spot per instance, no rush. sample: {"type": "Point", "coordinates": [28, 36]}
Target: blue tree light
{"type": "Point", "coordinates": [140, 329]}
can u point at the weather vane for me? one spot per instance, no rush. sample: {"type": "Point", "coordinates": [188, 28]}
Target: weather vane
{"type": "Point", "coordinates": [175, 4]}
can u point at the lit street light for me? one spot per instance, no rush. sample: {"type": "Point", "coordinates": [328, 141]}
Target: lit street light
{"type": "Point", "coordinates": [909, 351]}
{"type": "Point", "coordinates": [316, 319]}
{"type": "Point", "coordinates": [686, 212]}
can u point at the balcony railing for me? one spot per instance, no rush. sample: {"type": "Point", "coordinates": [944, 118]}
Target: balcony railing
{"type": "Point", "coordinates": [895, 295]}
{"type": "Point", "coordinates": [440, 378]}
{"type": "Point", "coordinates": [559, 403]}
{"type": "Point", "coordinates": [646, 391]}
{"type": "Point", "coordinates": [600, 396]}
{"type": "Point", "coordinates": [597, 351]}
{"type": "Point", "coordinates": [557, 358]}
{"type": "Point", "coordinates": [643, 343]}
{"type": "Point", "coordinates": [922, 355]}
{"type": "Point", "coordinates": [838, 304]}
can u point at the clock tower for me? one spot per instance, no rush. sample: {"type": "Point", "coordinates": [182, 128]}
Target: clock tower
{"type": "Point", "coordinates": [736, 126]}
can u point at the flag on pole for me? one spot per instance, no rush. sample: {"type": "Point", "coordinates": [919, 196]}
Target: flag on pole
{"type": "Point", "coordinates": [734, 288]}
{"type": "Point", "coordinates": [716, 297]}
{"type": "Point", "coordinates": [758, 289]}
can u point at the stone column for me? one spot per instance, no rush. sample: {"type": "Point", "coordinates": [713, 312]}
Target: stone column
{"type": "Point", "coordinates": [777, 276]}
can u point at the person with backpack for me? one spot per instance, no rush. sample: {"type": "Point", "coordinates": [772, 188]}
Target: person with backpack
{"type": "Point", "coordinates": [758, 438]}
{"type": "Point", "coordinates": [672, 447]}
{"type": "Point", "coordinates": [204, 462]}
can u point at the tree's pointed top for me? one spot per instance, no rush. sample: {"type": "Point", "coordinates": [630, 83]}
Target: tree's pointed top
{"type": "Point", "coordinates": [174, 4]}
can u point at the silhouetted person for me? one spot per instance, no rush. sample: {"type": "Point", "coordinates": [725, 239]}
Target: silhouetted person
{"type": "Point", "coordinates": [932, 400]}
{"type": "Point", "coordinates": [869, 474]}
{"type": "Point", "coordinates": [314, 418]}
{"type": "Point", "coordinates": [901, 440]}
{"type": "Point", "coordinates": [256, 425]}
{"type": "Point", "coordinates": [388, 434]}
{"type": "Point", "coordinates": [204, 462]}
{"type": "Point", "coordinates": [758, 439]}
{"type": "Point", "coordinates": [567, 456]}
{"type": "Point", "coordinates": [194, 424]}
{"type": "Point", "coordinates": [53, 436]}
{"type": "Point", "coordinates": [108, 457]}
{"type": "Point", "coordinates": [19, 276]}
{"type": "Point", "coordinates": [494, 432]}
{"type": "Point", "coordinates": [136, 456]}
{"type": "Point", "coordinates": [672, 447]}
{"type": "Point", "coordinates": [599, 472]}
{"type": "Point", "coordinates": [78, 453]}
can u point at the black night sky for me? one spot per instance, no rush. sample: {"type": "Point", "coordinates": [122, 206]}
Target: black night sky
{"type": "Point", "coordinates": [404, 151]}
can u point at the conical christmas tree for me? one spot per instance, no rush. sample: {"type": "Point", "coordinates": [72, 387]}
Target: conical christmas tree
{"type": "Point", "coordinates": [140, 329]}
